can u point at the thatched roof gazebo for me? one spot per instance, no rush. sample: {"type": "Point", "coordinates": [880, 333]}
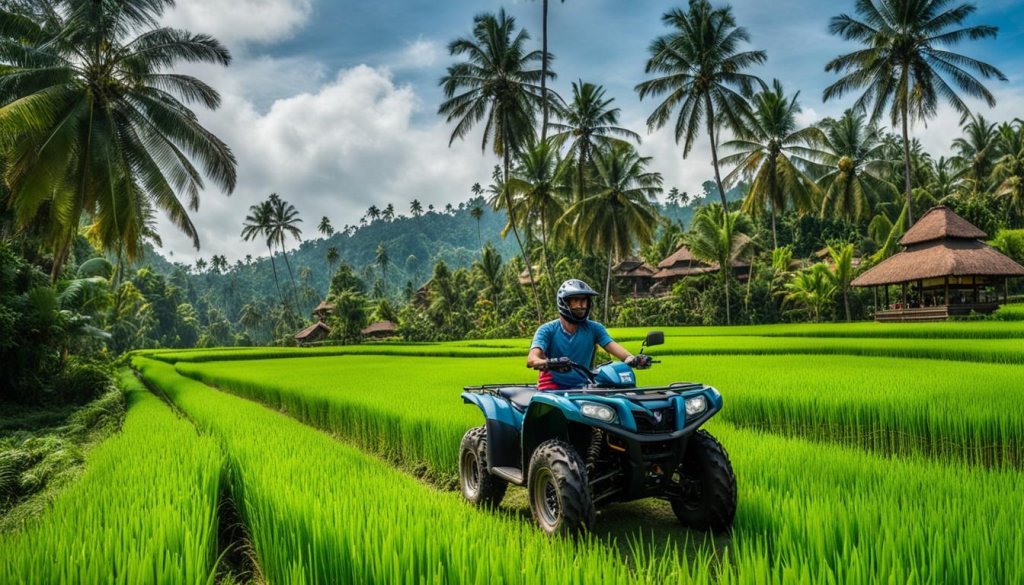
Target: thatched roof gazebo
{"type": "Point", "coordinates": [944, 270]}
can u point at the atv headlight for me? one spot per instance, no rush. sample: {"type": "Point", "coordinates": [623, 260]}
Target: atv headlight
{"type": "Point", "coordinates": [599, 411]}
{"type": "Point", "coordinates": [696, 405]}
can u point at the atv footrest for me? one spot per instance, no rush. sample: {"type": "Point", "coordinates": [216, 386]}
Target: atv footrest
{"type": "Point", "coordinates": [510, 474]}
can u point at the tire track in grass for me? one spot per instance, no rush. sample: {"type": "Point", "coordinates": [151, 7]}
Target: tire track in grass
{"type": "Point", "coordinates": [322, 512]}
{"type": "Point", "coordinates": [143, 512]}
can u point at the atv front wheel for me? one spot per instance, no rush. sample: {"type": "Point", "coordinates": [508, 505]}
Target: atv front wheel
{"type": "Point", "coordinates": [704, 486]}
{"type": "Point", "coordinates": [478, 485]}
{"type": "Point", "coordinates": [558, 489]}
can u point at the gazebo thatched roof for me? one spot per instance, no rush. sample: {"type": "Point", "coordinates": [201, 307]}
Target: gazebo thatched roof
{"type": "Point", "coordinates": [380, 327]}
{"type": "Point", "coordinates": [941, 244]}
{"type": "Point", "coordinates": [938, 223]}
{"type": "Point", "coordinates": [324, 306]}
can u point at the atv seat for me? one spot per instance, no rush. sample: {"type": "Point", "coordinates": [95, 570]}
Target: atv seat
{"type": "Point", "coordinates": [519, 396]}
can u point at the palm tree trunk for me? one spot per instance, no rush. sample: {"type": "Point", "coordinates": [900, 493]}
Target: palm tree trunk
{"type": "Point", "coordinates": [846, 303]}
{"type": "Point", "coordinates": [274, 266]}
{"type": "Point", "coordinates": [906, 170]}
{"type": "Point", "coordinates": [295, 288]}
{"type": "Point", "coordinates": [544, 74]}
{"type": "Point", "coordinates": [515, 230]}
{"type": "Point", "coordinates": [714, 153]}
{"type": "Point", "coordinates": [544, 250]}
{"type": "Point", "coordinates": [771, 198]}
{"type": "Point", "coordinates": [608, 287]}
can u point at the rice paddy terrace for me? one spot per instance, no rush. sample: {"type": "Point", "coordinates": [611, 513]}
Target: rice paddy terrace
{"type": "Point", "coordinates": [864, 453]}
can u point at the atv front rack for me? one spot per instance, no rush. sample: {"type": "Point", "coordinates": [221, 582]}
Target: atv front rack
{"type": "Point", "coordinates": [674, 387]}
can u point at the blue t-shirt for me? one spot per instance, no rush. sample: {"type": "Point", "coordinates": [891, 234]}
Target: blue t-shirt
{"type": "Point", "coordinates": [555, 342]}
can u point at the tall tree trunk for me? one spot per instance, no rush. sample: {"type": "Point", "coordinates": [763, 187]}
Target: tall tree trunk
{"type": "Point", "coordinates": [906, 171]}
{"type": "Point", "coordinates": [846, 303]}
{"type": "Point", "coordinates": [295, 289]}
{"type": "Point", "coordinates": [544, 250]}
{"type": "Point", "coordinates": [276, 283]}
{"type": "Point", "coordinates": [721, 193]}
{"type": "Point", "coordinates": [512, 221]}
{"type": "Point", "coordinates": [771, 197]}
{"type": "Point", "coordinates": [608, 287]}
{"type": "Point", "coordinates": [544, 75]}
{"type": "Point", "coordinates": [61, 256]}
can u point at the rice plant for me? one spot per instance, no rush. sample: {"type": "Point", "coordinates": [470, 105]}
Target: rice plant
{"type": "Point", "coordinates": [143, 512]}
{"type": "Point", "coordinates": [322, 512]}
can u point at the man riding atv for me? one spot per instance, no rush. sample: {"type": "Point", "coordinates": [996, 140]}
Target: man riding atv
{"type": "Point", "coordinates": [571, 339]}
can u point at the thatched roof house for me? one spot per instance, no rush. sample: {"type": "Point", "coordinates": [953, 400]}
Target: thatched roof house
{"type": "Point", "coordinates": [316, 332]}
{"type": "Point", "coordinates": [637, 274]}
{"type": "Point", "coordinates": [682, 263]}
{"type": "Point", "coordinates": [945, 269]}
{"type": "Point", "coordinates": [323, 309]}
{"type": "Point", "coordinates": [381, 329]}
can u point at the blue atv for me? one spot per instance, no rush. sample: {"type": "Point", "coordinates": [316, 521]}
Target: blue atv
{"type": "Point", "coordinates": [576, 450]}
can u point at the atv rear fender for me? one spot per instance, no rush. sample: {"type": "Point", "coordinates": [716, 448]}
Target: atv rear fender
{"type": "Point", "coordinates": [503, 424]}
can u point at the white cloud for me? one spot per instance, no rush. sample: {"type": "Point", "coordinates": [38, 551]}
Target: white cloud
{"type": "Point", "coordinates": [240, 21]}
{"type": "Point", "coordinates": [348, 144]}
{"type": "Point", "coordinates": [420, 54]}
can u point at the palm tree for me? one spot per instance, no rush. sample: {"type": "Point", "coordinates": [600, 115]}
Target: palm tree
{"type": "Point", "coordinates": [541, 184]}
{"type": "Point", "coordinates": [498, 87]}
{"type": "Point", "coordinates": [388, 214]}
{"type": "Point", "coordinates": [373, 213]}
{"type": "Point", "coordinates": [1008, 173]}
{"type": "Point", "coordinates": [720, 239]}
{"type": "Point", "coordinates": [383, 260]}
{"type": "Point", "coordinates": [590, 123]}
{"type": "Point", "coordinates": [700, 70]}
{"type": "Point", "coordinates": [325, 227]}
{"type": "Point", "coordinates": [283, 220]}
{"type": "Point", "coordinates": [489, 268]}
{"type": "Point", "coordinates": [251, 317]}
{"type": "Point", "coordinates": [976, 151]}
{"type": "Point", "coordinates": [853, 166]}
{"type": "Point", "coordinates": [94, 124]}
{"type": "Point", "coordinates": [842, 272]}
{"type": "Point", "coordinates": [332, 257]}
{"type": "Point", "coordinates": [477, 213]}
{"type": "Point", "coordinates": [944, 181]}
{"type": "Point", "coordinates": [416, 208]}
{"type": "Point", "coordinates": [619, 212]}
{"type": "Point", "coordinates": [903, 67]}
{"type": "Point", "coordinates": [767, 150]}
{"type": "Point", "coordinates": [257, 224]}
{"type": "Point", "coordinates": [813, 289]}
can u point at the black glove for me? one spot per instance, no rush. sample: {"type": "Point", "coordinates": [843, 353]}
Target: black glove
{"type": "Point", "coordinates": [562, 364]}
{"type": "Point", "coordinates": [640, 361]}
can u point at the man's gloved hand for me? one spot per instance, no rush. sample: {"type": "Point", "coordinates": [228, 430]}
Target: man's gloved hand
{"type": "Point", "coordinates": [561, 364]}
{"type": "Point", "coordinates": [639, 362]}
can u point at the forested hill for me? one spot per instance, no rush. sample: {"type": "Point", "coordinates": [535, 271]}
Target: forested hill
{"type": "Point", "coordinates": [413, 246]}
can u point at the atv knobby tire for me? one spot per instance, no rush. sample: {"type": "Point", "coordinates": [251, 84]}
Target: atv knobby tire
{"type": "Point", "coordinates": [478, 485]}
{"type": "Point", "coordinates": [707, 486]}
{"type": "Point", "coordinates": [558, 489]}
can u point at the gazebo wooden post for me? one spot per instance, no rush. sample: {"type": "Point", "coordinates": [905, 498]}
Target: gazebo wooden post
{"type": "Point", "coordinates": [946, 288]}
{"type": "Point", "coordinates": [1006, 290]}
{"type": "Point", "coordinates": [974, 285]}
{"type": "Point", "coordinates": [887, 303]}
{"type": "Point", "coordinates": [903, 291]}
{"type": "Point", "coordinates": [874, 293]}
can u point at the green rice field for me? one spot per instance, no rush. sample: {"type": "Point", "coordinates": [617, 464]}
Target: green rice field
{"type": "Point", "coordinates": [863, 453]}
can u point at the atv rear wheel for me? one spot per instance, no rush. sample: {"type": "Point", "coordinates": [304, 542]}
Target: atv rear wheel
{"type": "Point", "coordinates": [704, 486]}
{"type": "Point", "coordinates": [478, 485]}
{"type": "Point", "coordinates": [558, 489]}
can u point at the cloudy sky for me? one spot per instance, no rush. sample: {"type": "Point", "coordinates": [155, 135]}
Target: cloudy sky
{"type": "Point", "coordinates": [332, 103]}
